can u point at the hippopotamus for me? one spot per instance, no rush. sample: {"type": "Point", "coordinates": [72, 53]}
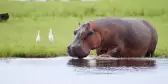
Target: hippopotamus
{"type": "Point", "coordinates": [114, 37]}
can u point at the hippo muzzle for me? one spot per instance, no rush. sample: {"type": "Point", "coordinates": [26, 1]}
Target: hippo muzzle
{"type": "Point", "coordinates": [77, 51]}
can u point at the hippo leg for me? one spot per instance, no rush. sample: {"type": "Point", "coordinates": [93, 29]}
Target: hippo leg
{"type": "Point", "coordinates": [147, 54]}
{"type": "Point", "coordinates": [150, 54]}
{"type": "Point", "coordinates": [100, 51]}
{"type": "Point", "coordinates": [104, 55]}
{"type": "Point", "coordinates": [110, 53]}
{"type": "Point", "coordinates": [113, 52]}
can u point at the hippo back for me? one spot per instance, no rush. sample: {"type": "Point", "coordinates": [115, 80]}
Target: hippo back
{"type": "Point", "coordinates": [132, 34]}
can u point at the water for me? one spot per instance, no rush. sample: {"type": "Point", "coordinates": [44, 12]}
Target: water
{"type": "Point", "coordinates": [65, 70]}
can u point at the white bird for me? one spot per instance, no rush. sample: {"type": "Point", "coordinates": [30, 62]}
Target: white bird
{"type": "Point", "coordinates": [51, 37]}
{"type": "Point", "coordinates": [38, 37]}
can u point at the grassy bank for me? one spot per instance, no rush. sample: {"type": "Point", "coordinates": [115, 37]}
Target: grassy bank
{"type": "Point", "coordinates": [81, 9]}
{"type": "Point", "coordinates": [18, 34]}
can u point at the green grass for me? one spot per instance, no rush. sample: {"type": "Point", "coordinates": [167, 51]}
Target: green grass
{"type": "Point", "coordinates": [18, 34]}
{"type": "Point", "coordinates": [78, 9]}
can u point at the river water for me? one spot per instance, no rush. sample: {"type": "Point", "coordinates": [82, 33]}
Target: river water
{"type": "Point", "coordinates": [67, 70]}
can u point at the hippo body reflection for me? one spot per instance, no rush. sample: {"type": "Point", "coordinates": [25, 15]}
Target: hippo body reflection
{"type": "Point", "coordinates": [112, 63]}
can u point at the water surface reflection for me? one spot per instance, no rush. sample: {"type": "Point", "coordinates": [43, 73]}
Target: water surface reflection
{"type": "Point", "coordinates": [112, 66]}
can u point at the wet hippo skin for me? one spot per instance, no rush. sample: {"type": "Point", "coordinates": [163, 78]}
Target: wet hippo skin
{"type": "Point", "coordinates": [114, 37]}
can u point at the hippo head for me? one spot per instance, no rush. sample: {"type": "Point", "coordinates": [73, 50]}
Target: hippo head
{"type": "Point", "coordinates": [86, 38]}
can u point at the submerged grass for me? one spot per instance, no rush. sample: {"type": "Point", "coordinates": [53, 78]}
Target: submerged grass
{"type": "Point", "coordinates": [18, 34]}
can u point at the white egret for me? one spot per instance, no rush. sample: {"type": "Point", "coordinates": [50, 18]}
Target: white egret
{"type": "Point", "coordinates": [38, 37]}
{"type": "Point", "coordinates": [51, 37]}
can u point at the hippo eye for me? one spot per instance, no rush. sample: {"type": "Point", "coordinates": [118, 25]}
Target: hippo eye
{"type": "Point", "coordinates": [89, 33]}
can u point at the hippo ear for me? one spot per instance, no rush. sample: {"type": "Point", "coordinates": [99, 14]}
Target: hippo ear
{"type": "Point", "coordinates": [91, 25]}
